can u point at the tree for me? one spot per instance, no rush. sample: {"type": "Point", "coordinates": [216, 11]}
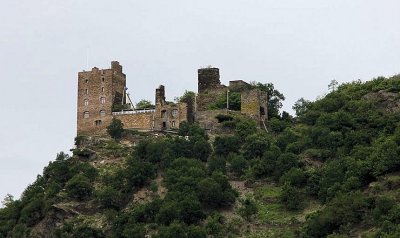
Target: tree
{"type": "Point", "coordinates": [291, 197]}
{"type": "Point", "coordinates": [301, 106]}
{"type": "Point", "coordinates": [333, 85]}
{"type": "Point", "coordinates": [202, 149]}
{"type": "Point", "coordinates": [238, 165]}
{"type": "Point", "coordinates": [108, 197]}
{"type": "Point", "coordinates": [79, 187]}
{"type": "Point", "coordinates": [245, 127]}
{"type": "Point", "coordinates": [186, 97]}
{"type": "Point", "coordinates": [223, 145]}
{"type": "Point", "coordinates": [256, 144]}
{"type": "Point", "coordinates": [274, 97]}
{"type": "Point", "coordinates": [248, 208]}
{"type": "Point", "coordinates": [144, 104]}
{"type": "Point", "coordinates": [115, 129]}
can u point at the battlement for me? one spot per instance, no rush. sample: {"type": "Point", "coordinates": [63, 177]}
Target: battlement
{"type": "Point", "coordinates": [116, 66]}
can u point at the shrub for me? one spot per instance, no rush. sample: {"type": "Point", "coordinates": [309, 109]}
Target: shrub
{"type": "Point", "coordinates": [223, 145]}
{"type": "Point", "coordinates": [79, 187]}
{"type": "Point", "coordinates": [295, 177]}
{"type": "Point", "coordinates": [108, 197]}
{"type": "Point", "coordinates": [238, 165]}
{"type": "Point", "coordinates": [292, 197]}
{"type": "Point", "coordinates": [255, 145]}
{"type": "Point", "coordinates": [248, 209]}
{"type": "Point", "coordinates": [245, 127]}
{"type": "Point", "coordinates": [115, 129]}
{"type": "Point", "coordinates": [216, 164]}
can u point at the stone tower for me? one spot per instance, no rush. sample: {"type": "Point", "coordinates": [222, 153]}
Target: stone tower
{"type": "Point", "coordinates": [98, 92]}
{"type": "Point", "coordinates": [208, 78]}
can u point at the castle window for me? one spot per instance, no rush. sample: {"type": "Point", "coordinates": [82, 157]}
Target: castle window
{"type": "Point", "coordinates": [86, 102]}
{"type": "Point", "coordinates": [86, 115]}
{"type": "Point", "coordinates": [102, 79]}
{"type": "Point", "coordinates": [102, 89]}
{"type": "Point", "coordinates": [87, 81]}
{"type": "Point", "coordinates": [98, 122]}
{"type": "Point", "coordinates": [102, 113]}
{"type": "Point", "coordinates": [103, 100]}
{"type": "Point", "coordinates": [163, 114]}
{"type": "Point", "coordinates": [173, 124]}
{"type": "Point", "coordinates": [174, 113]}
{"type": "Point", "coordinates": [87, 91]}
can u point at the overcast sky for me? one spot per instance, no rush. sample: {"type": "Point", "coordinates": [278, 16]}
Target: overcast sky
{"type": "Point", "coordinates": [298, 45]}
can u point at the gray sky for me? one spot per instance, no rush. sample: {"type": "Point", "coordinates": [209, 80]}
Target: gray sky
{"type": "Point", "coordinates": [298, 45]}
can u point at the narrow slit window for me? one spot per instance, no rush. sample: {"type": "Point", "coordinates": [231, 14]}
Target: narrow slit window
{"type": "Point", "coordinates": [102, 89]}
{"type": "Point", "coordinates": [86, 102]}
{"type": "Point", "coordinates": [87, 91]}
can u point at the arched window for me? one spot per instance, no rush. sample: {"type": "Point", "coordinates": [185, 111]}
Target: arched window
{"type": "Point", "coordinates": [163, 114]}
{"type": "Point", "coordinates": [103, 100]}
{"type": "Point", "coordinates": [102, 89]}
{"type": "Point", "coordinates": [102, 113]}
{"type": "Point", "coordinates": [87, 91]}
{"type": "Point", "coordinates": [174, 113]}
{"type": "Point", "coordinates": [86, 102]}
{"type": "Point", "coordinates": [87, 81]}
{"type": "Point", "coordinates": [86, 115]}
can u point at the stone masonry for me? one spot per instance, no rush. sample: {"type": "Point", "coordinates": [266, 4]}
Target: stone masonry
{"type": "Point", "coordinates": [102, 96]}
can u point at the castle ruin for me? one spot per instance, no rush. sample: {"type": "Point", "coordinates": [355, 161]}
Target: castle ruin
{"type": "Point", "coordinates": [102, 96]}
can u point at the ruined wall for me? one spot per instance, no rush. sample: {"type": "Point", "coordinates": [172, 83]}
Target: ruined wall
{"type": "Point", "coordinates": [254, 105]}
{"type": "Point", "coordinates": [139, 121]}
{"type": "Point", "coordinates": [97, 90]}
{"type": "Point", "coordinates": [238, 86]}
{"type": "Point", "coordinates": [168, 115]}
{"type": "Point", "coordinates": [207, 120]}
{"type": "Point", "coordinates": [204, 100]}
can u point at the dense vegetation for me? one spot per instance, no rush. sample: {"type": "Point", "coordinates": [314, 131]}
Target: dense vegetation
{"type": "Point", "coordinates": [333, 170]}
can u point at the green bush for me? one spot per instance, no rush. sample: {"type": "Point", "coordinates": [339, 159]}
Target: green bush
{"type": "Point", "coordinates": [292, 197]}
{"type": "Point", "coordinates": [79, 187]}
{"type": "Point", "coordinates": [108, 197]}
{"type": "Point", "coordinates": [295, 177]}
{"type": "Point", "coordinates": [248, 209]}
{"type": "Point", "coordinates": [115, 129]}
{"type": "Point", "coordinates": [238, 165]}
{"type": "Point", "coordinates": [223, 145]}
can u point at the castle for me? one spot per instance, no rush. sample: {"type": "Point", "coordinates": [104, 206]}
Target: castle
{"type": "Point", "coordinates": [102, 96]}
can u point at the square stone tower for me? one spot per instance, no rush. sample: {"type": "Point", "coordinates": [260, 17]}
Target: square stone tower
{"type": "Point", "coordinates": [98, 92]}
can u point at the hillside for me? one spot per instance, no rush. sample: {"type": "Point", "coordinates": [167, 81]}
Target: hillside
{"type": "Point", "coordinates": [331, 171]}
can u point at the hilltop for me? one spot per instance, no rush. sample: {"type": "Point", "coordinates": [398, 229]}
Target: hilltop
{"type": "Point", "coordinates": [333, 170]}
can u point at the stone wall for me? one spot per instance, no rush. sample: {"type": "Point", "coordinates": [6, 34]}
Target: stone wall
{"type": "Point", "coordinates": [207, 120]}
{"type": "Point", "coordinates": [254, 105]}
{"type": "Point", "coordinates": [139, 121]}
{"type": "Point", "coordinates": [238, 86]}
{"type": "Point", "coordinates": [204, 100]}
